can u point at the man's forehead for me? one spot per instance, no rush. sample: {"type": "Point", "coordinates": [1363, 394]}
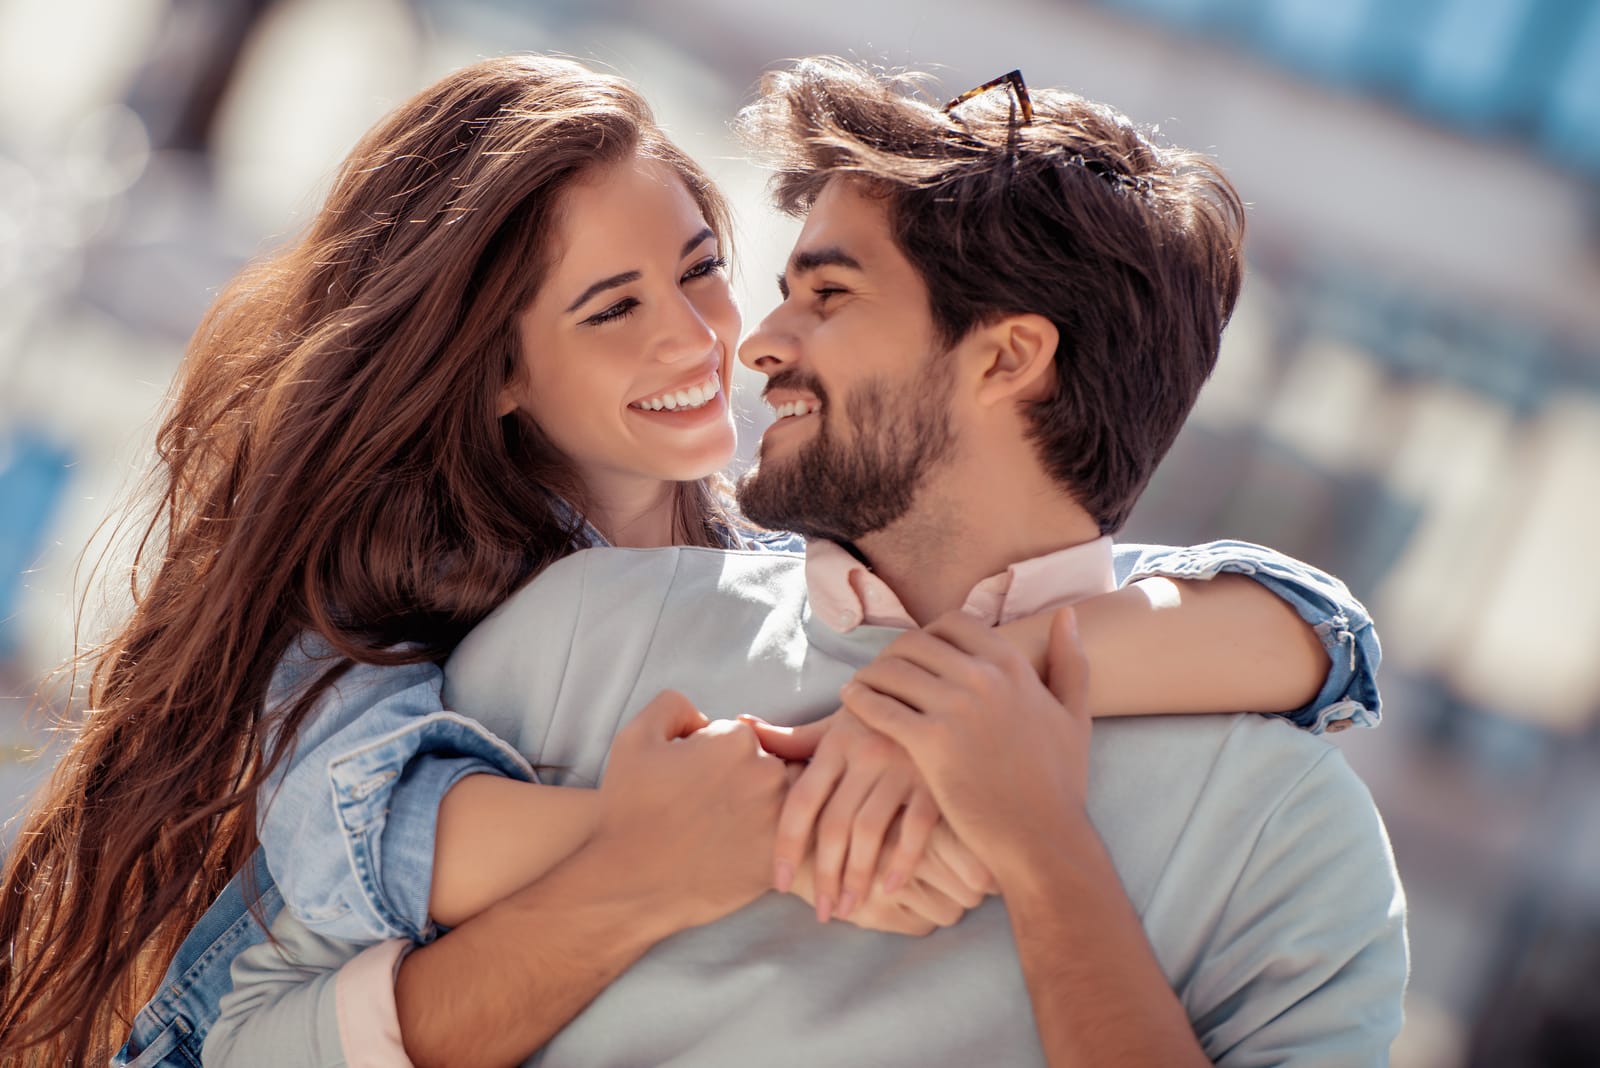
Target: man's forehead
{"type": "Point", "coordinates": [843, 225]}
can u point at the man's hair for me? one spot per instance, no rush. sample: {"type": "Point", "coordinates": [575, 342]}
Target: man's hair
{"type": "Point", "coordinates": [1132, 250]}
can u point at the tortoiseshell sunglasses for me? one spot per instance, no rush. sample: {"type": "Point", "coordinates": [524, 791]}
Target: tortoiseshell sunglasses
{"type": "Point", "coordinates": [1011, 78]}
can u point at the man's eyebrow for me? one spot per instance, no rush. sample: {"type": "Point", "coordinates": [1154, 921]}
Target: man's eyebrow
{"type": "Point", "coordinates": [812, 258]}
{"type": "Point", "coordinates": [633, 276]}
{"type": "Point", "coordinates": [832, 256]}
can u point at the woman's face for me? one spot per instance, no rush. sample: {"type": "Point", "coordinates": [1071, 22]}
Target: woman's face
{"type": "Point", "coordinates": [627, 349]}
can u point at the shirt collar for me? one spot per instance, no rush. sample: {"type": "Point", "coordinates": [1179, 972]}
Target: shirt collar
{"type": "Point", "coordinates": [844, 592]}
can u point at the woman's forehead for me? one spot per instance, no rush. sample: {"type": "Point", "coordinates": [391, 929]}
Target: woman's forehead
{"type": "Point", "coordinates": [640, 206]}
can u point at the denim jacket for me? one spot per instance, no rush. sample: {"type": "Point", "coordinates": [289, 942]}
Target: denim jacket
{"type": "Point", "coordinates": [347, 823]}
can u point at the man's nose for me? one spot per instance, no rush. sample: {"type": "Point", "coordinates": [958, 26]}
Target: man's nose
{"type": "Point", "coordinates": [769, 347]}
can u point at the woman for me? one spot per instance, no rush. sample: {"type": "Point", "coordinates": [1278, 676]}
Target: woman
{"type": "Point", "coordinates": [359, 464]}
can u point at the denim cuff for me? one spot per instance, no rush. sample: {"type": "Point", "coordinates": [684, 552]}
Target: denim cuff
{"type": "Point", "coordinates": [1349, 696]}
{"type": "Point", "coordinates": [387, 795]}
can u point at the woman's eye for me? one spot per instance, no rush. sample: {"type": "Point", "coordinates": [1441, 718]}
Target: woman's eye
{"type": "Point", "coordinates": [619, 310]}
{"type": "Point", "coordinates": [705, 267]}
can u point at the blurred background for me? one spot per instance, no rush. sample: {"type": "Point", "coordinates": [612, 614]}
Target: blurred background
{"type": "Point", "coordinates": [1409, 394]}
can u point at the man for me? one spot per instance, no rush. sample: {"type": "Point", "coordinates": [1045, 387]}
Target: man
{"type": "Point", "coordinates": [995, 310]}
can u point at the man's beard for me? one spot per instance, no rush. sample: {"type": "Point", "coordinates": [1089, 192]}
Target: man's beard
{"type": "Point", "coordinates": [842, 490]}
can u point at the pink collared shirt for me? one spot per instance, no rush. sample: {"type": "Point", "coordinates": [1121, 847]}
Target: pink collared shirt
{"type": "Point", "coordinates": [369, 1022]}
{"type": "Point", "coordinates": [843, 593]}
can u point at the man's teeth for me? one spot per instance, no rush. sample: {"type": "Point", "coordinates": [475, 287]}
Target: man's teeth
{"type": "Point", "coordinates": [798, 407]}
{"type": "Point", "coordinates": [693, 397]}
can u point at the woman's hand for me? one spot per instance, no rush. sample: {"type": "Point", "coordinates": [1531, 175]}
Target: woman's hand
{"type": "Point", "coordinates": [872, 804]}
{"type": "Point", "coordinates": [856, 785]}
{"type": "Point", "coordinates": [690, 805]}
{"type": "Point", "coordinates": [935, 895]}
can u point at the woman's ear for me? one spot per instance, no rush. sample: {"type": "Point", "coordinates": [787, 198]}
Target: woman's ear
{"type": "Point", "coordinates": [1018, 354]}
{"type": "Point", "coordinates": [506, 402]}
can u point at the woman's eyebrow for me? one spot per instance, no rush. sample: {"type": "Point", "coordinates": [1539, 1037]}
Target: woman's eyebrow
{"type": "Point", "coordinates": [690, 245]}
{"type": "Point", "coordinates": [633, 276]}
{"type": "Point", "coordinates": [604, 284]}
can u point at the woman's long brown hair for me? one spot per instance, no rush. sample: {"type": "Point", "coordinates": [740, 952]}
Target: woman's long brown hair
{"type": "Point", "coordinates": [331, 463]}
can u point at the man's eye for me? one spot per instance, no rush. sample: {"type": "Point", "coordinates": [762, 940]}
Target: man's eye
{"type": "Point", "coordinates": [619, 310]}
{"type": "Point", "coordinates": [824, 292]}
{"type": "Point", "coordinates": [706, 266]}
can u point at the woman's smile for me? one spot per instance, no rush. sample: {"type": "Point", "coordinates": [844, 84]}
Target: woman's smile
{"type": "Point", "coordinates": [683, 398]}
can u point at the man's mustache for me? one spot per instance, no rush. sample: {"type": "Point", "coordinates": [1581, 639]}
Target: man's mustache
{"type": "Point", "coordinates": [796, 378]}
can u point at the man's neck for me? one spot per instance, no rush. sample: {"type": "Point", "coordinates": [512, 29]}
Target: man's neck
{"type": "Point", "coordinates": [967, 524]}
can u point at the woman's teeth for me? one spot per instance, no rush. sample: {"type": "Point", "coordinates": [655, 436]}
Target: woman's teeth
{"type": "Point", "coordinates": [693, 397]}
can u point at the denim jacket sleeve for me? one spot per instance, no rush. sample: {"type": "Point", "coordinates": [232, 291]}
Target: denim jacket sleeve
{"type": "Point", "coordinates": [347, 820]}
{"type": "Point", "coordinates": [1349, 695]}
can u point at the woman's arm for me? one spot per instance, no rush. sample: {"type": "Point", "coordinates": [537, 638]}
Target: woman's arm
{"type": "Point", "coordinates": [1161, 645]}
{"type": "Point", "coordinates": [348, 820]}
{"type": "Point", "coordinates": [497, 835]}
{"type": "Point", "coordinates": [1348, 696]}
{"type": "Point", "coordinates": [1156, 646]}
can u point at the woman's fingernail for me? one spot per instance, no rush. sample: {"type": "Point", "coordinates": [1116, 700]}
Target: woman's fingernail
{"type": "Point", "coordinates": [783, 876]}
{"type": "Point", "coordinates": [824, 908]}
{"type": "Point", "coordinates": [847, 902]}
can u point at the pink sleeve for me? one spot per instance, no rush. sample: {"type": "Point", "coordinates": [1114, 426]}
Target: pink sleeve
{"type": "Point", "coordinates": [363, 994]}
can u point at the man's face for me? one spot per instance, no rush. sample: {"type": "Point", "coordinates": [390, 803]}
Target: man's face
{"type": "Point", "coordinates": [856, 375]}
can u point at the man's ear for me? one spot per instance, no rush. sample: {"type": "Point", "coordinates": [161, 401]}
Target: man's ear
{"type": "Point", "coordinates": [1018, 354]}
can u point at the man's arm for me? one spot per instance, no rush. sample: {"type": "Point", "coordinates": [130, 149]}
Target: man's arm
{"type": "Point", "coordinates": [501, 985]}
{"type": "Point", "coordinates": [1099, 995]}
{"type": "Point", "coordinates": [1007, 761]}
{"type": "Point", "coordinates": [1306, 963]}
{"type": "Point", "coordinates": [517, 973]}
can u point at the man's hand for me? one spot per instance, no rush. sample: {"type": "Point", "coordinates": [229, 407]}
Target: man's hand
{"type": "Point", "coordinates": [1005, 757]}
{"type": "Point", "coordinates": [693, 805]}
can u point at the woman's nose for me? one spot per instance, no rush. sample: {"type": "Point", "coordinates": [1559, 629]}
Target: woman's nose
{"type": "Point", "coordinates": [691, 334]}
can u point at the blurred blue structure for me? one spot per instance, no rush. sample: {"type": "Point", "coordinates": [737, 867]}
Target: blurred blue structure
{"type": "Point", "coordinates": [33, 474]}
{"type": "Point", "coordinates": [1572, 126]}
{"type": "Point", "coordinates": [1525, 68]}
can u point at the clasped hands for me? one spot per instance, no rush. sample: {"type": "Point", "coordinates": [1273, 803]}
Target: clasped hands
{"type": "Point", "coordinates": [860, 799]}
{"type": "Point", "coordinates": [946, 761]}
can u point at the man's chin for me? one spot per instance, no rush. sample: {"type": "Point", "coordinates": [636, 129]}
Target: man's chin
{"type": "Point", "coordinates": [766, 494]}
